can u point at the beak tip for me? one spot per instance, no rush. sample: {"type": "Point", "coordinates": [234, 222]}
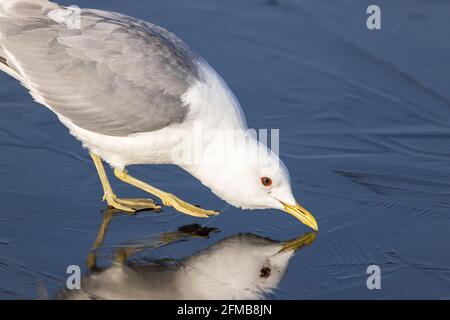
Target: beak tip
{"type": "Point", "coordinates": [314, 227]}
{"type": "Point", "coordinates": [299, 243]}
{"type": "Point", "coordinates": [302, 214]}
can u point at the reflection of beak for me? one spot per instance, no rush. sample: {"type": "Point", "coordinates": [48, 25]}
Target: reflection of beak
{"type": "Point", "coordinates": [301, 214]}
{"type": "Point", "coordinates": [298, 243]}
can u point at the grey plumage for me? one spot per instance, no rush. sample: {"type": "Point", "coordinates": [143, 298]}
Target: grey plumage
{"type": "Point", "coordinates": [116, 75]}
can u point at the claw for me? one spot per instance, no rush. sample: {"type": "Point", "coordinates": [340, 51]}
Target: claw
{"type": "Point", "coordinates": [187, 208]}
{"type": "Point", "coordinates": [132, 205]}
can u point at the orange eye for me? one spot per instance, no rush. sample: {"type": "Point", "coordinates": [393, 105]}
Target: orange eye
{"type": "Point", "coordinates": [267, 182]}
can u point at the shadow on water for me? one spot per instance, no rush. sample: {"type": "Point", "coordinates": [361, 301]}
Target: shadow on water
{"type": "Point", "coordinates": [242, 266]}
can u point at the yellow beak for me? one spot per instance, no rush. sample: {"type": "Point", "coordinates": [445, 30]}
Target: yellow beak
{"type": "Point", "coordinates": [298, 243]}
{"type": "Point", "coordinates": [301, 214]}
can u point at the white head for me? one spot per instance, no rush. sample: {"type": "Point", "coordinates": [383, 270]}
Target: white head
{"type": "Point", "coordinates": [244, 266]}
{"type": "Point", "coordinates": [246, 174]}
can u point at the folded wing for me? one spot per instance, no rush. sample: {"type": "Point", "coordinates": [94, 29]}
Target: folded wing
{"type": "Point", "coordinates": [107, 73]}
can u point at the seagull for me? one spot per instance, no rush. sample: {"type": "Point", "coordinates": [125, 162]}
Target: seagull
{"type": "Point", "coordinates": [134, 93]}
{"type": "Point", "coordinates": [210, 274]}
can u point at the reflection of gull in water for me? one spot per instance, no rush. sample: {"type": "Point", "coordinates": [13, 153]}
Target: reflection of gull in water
{"type": "Point", "coordinates": [243, 266]}
{"type": "Point", "coordinates": [134, 93]}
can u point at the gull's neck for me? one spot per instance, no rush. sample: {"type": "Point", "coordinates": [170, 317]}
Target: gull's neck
{"type": "Point", "coordinates": [220, 159]}
{"type": "Point", "coordinates": [212, 102]}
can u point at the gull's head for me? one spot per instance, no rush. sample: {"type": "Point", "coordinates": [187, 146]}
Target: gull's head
{"type": "Point", "coordinates": [251, 176]}
{"type": "Point", "coordinates": [244, 266]}
{"type": "Point", "coordinates": [267, 185]}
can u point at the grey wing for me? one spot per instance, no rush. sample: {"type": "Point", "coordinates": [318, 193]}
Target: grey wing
{"type": "Point", "coordinates": [116, 75]}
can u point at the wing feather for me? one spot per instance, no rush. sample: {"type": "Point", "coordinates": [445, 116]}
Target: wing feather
{"type": "Point", "coordinates": [116, 75]}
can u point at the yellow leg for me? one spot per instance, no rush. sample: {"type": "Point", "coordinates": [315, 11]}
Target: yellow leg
{"type": "Point", "coordinates": [168, 199]}
{"type": "Point", "coordinates": [127, 205]}
{"type": "Point", "coordinates": [91, 261]}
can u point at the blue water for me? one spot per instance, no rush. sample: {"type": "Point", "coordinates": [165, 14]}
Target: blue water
{"type": "Point", "coordinates": [364, 119]}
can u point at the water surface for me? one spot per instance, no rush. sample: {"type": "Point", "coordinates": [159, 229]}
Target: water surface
{"type": "Point", "coordinates": [365, 127]}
